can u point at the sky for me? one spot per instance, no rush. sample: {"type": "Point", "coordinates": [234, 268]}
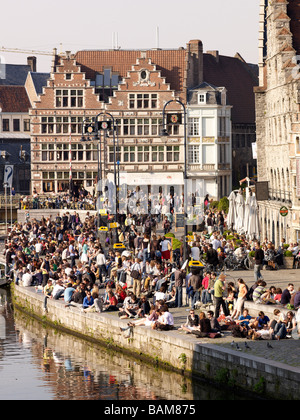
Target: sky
{"type": "Point", "coordinates": [228, 26]}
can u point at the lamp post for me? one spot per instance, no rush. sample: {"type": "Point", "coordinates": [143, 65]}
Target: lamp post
{"type": "Point", "coordinates": [95, 128]}
{"type": "Point", "coordinates": [164, 133]}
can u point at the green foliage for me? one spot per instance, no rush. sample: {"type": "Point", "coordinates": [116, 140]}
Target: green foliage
{"type": "Point", "coordinates": [223, 204]}
{"type": "Point", "coordinates": [214, 205]}
{"type": "Point", "coordinates": [260, 387]}
{"type": "Point", "coordinates": [288, 254]}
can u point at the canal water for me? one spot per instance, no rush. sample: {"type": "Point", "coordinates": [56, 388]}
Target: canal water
{"type": "Point", "coordinates": [39, 363]}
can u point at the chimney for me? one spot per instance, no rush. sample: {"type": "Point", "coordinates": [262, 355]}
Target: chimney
{"type": "Point", "coordinates": [195, 63]}
{"type": "Point", "coordinates": [215, 54]}
{"type": "Point", "coordinates": [31, 61]}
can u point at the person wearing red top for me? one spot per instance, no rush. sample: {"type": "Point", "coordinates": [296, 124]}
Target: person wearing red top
{"type": "Point", "coordinates": [113, 302]}
{"type": "Point", "coordinates": [206, 295]}
{"type": "Point", "coordinates": [120, 294]}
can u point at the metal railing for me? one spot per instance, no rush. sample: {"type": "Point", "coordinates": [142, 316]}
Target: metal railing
{"type": "Point", "coordinates": [283, 196]}
{"type": "Point", "coordinates": [8, 202]}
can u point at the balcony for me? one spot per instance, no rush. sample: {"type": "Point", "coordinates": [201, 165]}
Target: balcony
{"type": "Point", "coordinates": [205, 167]}
{"type": "Point", "coordinates": [281, 196]}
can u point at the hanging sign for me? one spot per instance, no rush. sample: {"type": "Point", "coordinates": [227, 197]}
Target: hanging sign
{"type": "Point", "coordinates": [284, 211]}
{"type": "Point", "coordinates": [8, 175]}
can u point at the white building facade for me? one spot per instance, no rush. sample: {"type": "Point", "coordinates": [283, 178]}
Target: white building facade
{"type": "Point", "coordinates": [209, 142]}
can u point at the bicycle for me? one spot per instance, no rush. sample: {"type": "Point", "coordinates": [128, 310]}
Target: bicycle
{"type": "Point", "coordinates": [231, 262]}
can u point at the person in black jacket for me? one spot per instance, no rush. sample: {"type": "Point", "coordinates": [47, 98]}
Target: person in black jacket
{"type": "Point", "coordinates": [212, 256]}
{"type": "Point", "coordinates": [258, 261]}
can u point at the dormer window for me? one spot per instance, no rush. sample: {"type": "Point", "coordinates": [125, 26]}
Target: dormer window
{"type": "Point", "coordinates": [202, 98]}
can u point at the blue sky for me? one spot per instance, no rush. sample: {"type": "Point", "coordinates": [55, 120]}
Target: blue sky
{"type": "Point", "coordinates": [229, 26]}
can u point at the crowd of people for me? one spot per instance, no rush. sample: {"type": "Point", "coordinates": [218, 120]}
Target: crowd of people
{"type": "Point", "coordinates": [67, 259]}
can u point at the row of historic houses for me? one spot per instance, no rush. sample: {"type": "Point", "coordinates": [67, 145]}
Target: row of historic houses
{"type": "Point", "coordinates": [172, 115]}
{"type": "Point", "coordinates": [132, 99]}
{"type": "Point", "coordinates": [137, 92]}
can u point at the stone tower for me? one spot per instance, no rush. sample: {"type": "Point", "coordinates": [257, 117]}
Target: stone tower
{"type": "Point", "coordinates": [278, 116]}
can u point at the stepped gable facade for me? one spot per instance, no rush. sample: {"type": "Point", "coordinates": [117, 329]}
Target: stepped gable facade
{"type": "Point", "coordinates": [132, 86]}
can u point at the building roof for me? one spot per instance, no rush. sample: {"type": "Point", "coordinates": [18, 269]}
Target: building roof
{"type": "Point", "coordinates": [14, 74]}
{"type": "Point", "coordinates": [14, 99]}
{"type": "Point", "coordinates": [39, 80]}
{"type": "Point", "coordinates": [239, 80]}
{"type": "Point", "coordinates": [171, 63]}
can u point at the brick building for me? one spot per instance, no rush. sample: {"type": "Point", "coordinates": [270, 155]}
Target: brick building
{"type": "Point", "coordinates": [132, 87]}
{"type": "Point", "coordinates": [277, 118]}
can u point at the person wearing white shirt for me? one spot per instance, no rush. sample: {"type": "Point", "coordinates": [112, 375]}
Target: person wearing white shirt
{"type": "Point", "coordinates": [27, 278]}
{"type": "Point", "coordinates": [216, 243]}
{"type": "Point", "coordinates": [101, 264]}
{"type": "Point", "coordinates": [58, 290]}
{"type": "Point", "coordinates": [195, 252]}
{"type": "Point", "coordinates": [38, 248]}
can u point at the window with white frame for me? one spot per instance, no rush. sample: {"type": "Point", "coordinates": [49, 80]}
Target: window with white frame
{"type": "Point", "coordinates": [172, 153]}
{"type": "Point", "coordinates": [193, 126]}
{"type": "Point", "coordinates": [139, 126]}
{"type": "Point", "coordinates": [69, 98]}
{"type": "Point", "coordinates": [142, 100]}
{"type": "Point", "coordinates": [194, 154]}
{"type": "Point", "coordinates": [202, 98]}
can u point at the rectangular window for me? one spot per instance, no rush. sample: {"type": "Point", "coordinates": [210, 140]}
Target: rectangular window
{"type": "Point", "coordinates": [193, 127]}
{"type": "Point", "coordinates": [26, 125]}
{"type": "Point", "coordinates": [202, 98]}
{"type": "Point", "coordinates": [69, 98]}
{"type": "Point", "coordinates": [5, 124]}
{"type": "Point", "coordinates": [142, 100]}
{"type": "Point", "coordinates": [16, 124]}
{"type": "Point", "coordinates": [194, 154]}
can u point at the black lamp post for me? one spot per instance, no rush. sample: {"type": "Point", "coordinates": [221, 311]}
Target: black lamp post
{"type": "Point", "coordinates": [95, 128]}
{"type": "Point", "coordinates": [164, 133]}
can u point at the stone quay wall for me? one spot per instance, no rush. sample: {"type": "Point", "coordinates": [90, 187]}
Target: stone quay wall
{"type": "Point", "coordinates": [170, 349]}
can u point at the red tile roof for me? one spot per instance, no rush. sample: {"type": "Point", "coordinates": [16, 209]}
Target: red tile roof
{"type": "Point", "coordinates": [171, 63]}
{"type": "Point", "coordinates": [237, 77]}
{"type": "Point", "coordinates": [14, 99]}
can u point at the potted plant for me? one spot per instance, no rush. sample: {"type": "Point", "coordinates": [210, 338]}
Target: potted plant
{"type": "Point", "coordinates": [288, 259]}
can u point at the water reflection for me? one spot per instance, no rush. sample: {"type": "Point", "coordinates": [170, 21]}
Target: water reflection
{"type": "Point", "coordinates": [41, 363]}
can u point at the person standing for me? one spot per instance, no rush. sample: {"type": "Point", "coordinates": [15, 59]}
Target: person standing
{"type": "Point", "coordinates": [242, 294]}
{"type": "Point", "coordinates": [258, 261]}
{"type": "Point", "coordinates": [179, 282]}
{"type": "Point", "coordinates": [136, 274]}
{"type": "Point", "coordinates": [195, 283]}
{"type": "Point", "coordinates": [219, 288]}
{"type": "Point", "coordinates": [72, 253]}
{"type": "Point", "coordinates": [101, 264]}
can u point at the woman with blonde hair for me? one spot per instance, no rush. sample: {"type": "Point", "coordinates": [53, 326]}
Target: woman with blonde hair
{"type": "Point", "coordinates": [242, 295]}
